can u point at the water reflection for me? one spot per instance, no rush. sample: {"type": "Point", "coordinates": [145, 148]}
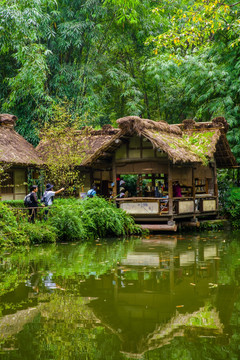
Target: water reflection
{"type": "Point", "coordinates": [127, 299]}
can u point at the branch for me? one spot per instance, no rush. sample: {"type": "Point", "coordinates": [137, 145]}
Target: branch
{"type": "Point", "coordinates": [230, 5]}
{"type": "Point", "coordinates": [234, 4]}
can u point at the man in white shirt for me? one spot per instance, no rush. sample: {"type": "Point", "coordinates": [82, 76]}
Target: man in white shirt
{"type": "Point", "coordinates": [48, 197]}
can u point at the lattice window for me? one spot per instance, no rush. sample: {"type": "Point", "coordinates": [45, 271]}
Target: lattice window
{"type": "Point", "coordinates": [7, 183]}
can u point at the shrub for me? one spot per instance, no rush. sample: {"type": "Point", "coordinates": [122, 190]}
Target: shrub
{"type": "Point", "coordinates": [66, 219]}
{"type": "Point", "coordinates": [102, 218]}
{"type": "Point", "coordinates": [14, 203]}
{"type": "Point", "coordinates": [70, 220]}
{"type": "Point", "coordinates": [39, 233]}
{"type": "Point", "coordinates": [10, 233]}
{"type": "Point", "coordinates": [232, 206]}
{"type": "Point", "coordinates": [90, 218]}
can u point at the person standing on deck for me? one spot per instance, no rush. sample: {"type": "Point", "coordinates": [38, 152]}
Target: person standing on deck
{"type": "Point", "coordinates": [92, 192]}
{"type": "Point", "coordinates": [177, 190]}
{"type": "Point", "coordinates": [48, 197]}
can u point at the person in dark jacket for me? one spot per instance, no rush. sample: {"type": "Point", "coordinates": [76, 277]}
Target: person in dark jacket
{"type": "Point", "coordinates": [34, 204]}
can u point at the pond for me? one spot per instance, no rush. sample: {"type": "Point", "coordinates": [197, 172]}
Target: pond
{"type": "Point", "coordinates": [161, 297]}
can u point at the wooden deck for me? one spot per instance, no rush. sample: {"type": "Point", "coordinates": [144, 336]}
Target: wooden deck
{"type": "Point", "coordinates": [154, 214]}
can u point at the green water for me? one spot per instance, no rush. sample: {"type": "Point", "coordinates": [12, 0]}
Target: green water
{"type": "Point", "coordinates": [163, 297]}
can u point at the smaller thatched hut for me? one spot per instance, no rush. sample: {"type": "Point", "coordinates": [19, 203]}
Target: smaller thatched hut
{"type": "Point", "coordinates": [18, 159]}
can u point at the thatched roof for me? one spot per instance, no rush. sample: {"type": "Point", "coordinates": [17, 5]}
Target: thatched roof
{"type": "Point", "coordinates": [14, 149]}
{"type": "Point", "coordinates": [85, 143]}
{"type": "Point", "coordinates": [189, 142]}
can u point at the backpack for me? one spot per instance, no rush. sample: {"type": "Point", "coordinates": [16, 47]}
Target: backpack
{"type": "Point", "coordinates": [27, 200]}
{"type": "Point", "coordinates": [90, 193]}
{"type": "Point", "coordinates": [44, 199]}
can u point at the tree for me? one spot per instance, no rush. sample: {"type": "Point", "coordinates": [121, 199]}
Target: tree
{"type": "Point", "coordinates": [64, 151]}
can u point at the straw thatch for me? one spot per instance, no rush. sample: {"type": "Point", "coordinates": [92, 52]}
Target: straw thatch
{"type": "Point", "coordinates": [84, 144]}
{"type": "Point", "coordinates": [14, 149]}
{"type": "Point", "coordinates": [189, 142]}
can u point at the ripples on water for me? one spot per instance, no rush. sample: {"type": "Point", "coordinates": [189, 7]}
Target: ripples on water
{"type": "Point", "coordinates": [163, 297]}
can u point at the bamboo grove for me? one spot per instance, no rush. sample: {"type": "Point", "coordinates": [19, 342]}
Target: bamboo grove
{"type": "Point", "coordinates": [100, 60]}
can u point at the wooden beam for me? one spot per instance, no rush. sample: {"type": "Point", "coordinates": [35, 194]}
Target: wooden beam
{"type": "Point", "coordinates": [170, 190]}
{"type": "Point", "coordinates": [159, 227]}
{"type": "Point", "coordinates": [215, 182]}
{"type": "Point", "coordinates": [106, 154]}
{"type": "Point", "coordinates": [114, 177]}
{"type": "Point", "coordinates": [193, 185]}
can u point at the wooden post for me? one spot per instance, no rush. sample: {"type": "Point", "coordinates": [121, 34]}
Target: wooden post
{"type": "Point", "coordinates": [170, 189]}
{"type": "Point", "coordinates": [114, 178]}
{"type": "Point", "coordinates": [193, 185]}
{"type": "Point", "coordinates": [215, 182]}
{"type": "Point", "coordinates": [91, 178]}
{"type": "Point", "coordinates": [206, 187]}
{"type": "Point", "coordinates": [193, 189]}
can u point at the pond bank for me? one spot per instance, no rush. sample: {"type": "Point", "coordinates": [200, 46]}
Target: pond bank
{"type": "Point", "coordinates": [68, 220]}
{"type": "Point", "coordinates": [80, 220]}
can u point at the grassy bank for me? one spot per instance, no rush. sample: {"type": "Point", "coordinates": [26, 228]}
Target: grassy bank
{"type": "Point", "coordinates": [68, 220]}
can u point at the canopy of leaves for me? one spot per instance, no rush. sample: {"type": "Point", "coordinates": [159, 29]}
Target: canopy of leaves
{"type": "Point", "coordinates": [101, 60]}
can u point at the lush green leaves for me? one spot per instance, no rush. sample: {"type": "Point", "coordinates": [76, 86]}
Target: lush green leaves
{"type": "Point", "coordinates": [101, 60]}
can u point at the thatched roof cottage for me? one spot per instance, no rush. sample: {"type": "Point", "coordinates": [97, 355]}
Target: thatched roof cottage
{"type": "Point", "coordinates": [158, 155]}
{"type": "Point", "coordinates": [18, 157]}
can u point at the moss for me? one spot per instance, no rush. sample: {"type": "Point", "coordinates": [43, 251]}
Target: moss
{"type": "Point", "coordinates": [197, 143]}
{"type": "Point", "coordinates": [214, 224]}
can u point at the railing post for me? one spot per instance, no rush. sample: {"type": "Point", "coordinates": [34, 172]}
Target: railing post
{"type": "Point", "coordinates": [215, 183]}
{"type": "Point", "coordinates": [114, 175]}
{"type": "Point", "coordinates": [193, 190]}
{"type": "Point", "coordinates": [170, 190]}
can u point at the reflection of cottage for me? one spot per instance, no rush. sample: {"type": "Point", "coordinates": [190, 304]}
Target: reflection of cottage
{"type": "Point", "coordinates": [148, 304]}
{"type": "Point", "coordinates": [18, 157]}
{"type": "Point", "coordinates": [158, 155]}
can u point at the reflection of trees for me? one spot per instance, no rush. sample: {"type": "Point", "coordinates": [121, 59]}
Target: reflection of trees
{"type": "Point", "coordinates": [65, 328]}
{"type": "Point", "coordinates": [88, 313]}
{"type": "Point", "coordinates": [64, 261]}
{"type": "Point", "coordinates": [229, 271]}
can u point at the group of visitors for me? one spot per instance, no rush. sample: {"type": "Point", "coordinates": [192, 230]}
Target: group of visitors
{"type": "Point", "coordinates": [46, 200]}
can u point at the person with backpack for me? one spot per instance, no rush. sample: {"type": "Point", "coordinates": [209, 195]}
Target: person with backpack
{"type": "Point", "coordinates": [48, 196]}
{"type": "Point", "coordinates": [92, 192]}
{"type": "Point", "coordinates": [31, 201]}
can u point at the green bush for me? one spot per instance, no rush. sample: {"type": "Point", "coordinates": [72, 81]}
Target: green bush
{"type": "Point", "coordinates": [90, 218]}
{"type": "Point", "coordinates": [67, 220]}
{"type": "Point", "coordinates": [14, 203]}
{"type": "Point", "coordinates": [232, 206]}
{"type": "Point", "coordinates": [10, 233]}
{"type": "Point", "coordinates": [39, 232]}
{"type": "Point", "coordinates": [102, 218]}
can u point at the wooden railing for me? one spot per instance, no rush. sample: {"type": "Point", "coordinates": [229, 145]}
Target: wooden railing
{"type": "Point", "coordinates": [21, 213]}
{"type": "Point", "coordinates": [204, 203]}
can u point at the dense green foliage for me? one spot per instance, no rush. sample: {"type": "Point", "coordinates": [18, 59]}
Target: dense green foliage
{"type": "Point", "coordinates": [100, 60]}
{"type": "Point", "coordinates": [90, 218]}
{"type": "Point", "coordinates": [231, 207]}
{"type": "Point", "coordinates": [10, 233]}
{"type": "Point", "coordinates": [39, 232]}
{"type": "Point", "coordinates": [14, 203]}
{"type": "Point", "coordinates": [68, 220]}
{"type": "Point", "coordinates": [63, 301]}
{"type": "Point", "coordinates": [72, 53]}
